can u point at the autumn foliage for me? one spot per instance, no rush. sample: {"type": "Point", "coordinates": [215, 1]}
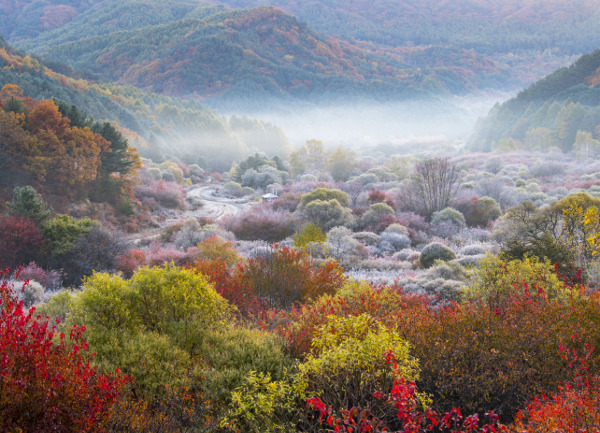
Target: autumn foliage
{"type": "Point", "coordinates": [47, 381]}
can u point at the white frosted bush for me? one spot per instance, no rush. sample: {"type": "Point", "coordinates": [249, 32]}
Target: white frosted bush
{"type": "Point", "coordinates": [469, 261]}
{"type": "Point", "coordinates": [367, 238]}
{"type": "Point", "coordinates": [341, 242]}
{"type": "Point", "coordinates": [446, 271]}
{"type": "Point", "coordinates": [396, 228]}
{"type": "Point", "coordinates": [189, 235]}
{"type": "Point", "coordinates": [472, 250]}
{"type": "Point", "coordinates": [33, 293]}
{"type": "Point", "coordinates": [394, 242]}
{"type": "Point", "coordinates": [406, 255]}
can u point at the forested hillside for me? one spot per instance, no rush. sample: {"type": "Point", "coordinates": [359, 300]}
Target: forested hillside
{"type": "Point", "coordinates": [527, 39]}
{"type": "Point", "coordinates": [325, 49]}
{"type": "Point", "coordinates": [156, 124]}
{"type": "Point", "coordinates": [207, 51]}
{"type": "Point", "coordinates": [486, 26]}
{"type": "Point", "coordinates": [561, 111]}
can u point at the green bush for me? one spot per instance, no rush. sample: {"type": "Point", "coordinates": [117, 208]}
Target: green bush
{"type": "Point", "coordinates": [231, 354]}
{"type": "Point", "coordinates": [153, 325]}
{"type": "Point", "coordinates": [449, 215]}
{"type": "Point", "coordinates": [27, 203]}
{"type": "Point", "coordinates": [63, 231]}
{"type": "Point", "coordinates": [308, 234]}
{"type": "Point", "coordinates": [347, 364]}
{"type": "Point", "coordinates": [435, 251]}
{"type": "Point", "coordinates": [325, 194]}
{"type": "Point", "coordinates": [497, 279]}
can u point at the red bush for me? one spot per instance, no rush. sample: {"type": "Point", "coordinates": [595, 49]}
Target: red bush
{"type": "Point", "coordinates": [20, 241]}
{"type": "Point", "coordinates": [46, 380]}
{"type": "Point", "coordinates": [130, 261]}
{"type": "Point", "coordinates": [411, 417]}
{"type": "Point", "coordinates": [574, 408]}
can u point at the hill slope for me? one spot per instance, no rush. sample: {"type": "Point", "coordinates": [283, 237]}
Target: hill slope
{"type": "Point", "coordinates": [485, 25]}
{"type": "Point", "coordinates": [153, 122]}
{"type": "Point", "coordinates": [549, 113]}
{"type": "Point", "coordinates": [189, 48]}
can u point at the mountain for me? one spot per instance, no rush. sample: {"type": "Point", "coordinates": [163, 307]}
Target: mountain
{"type": "Point", "coordinates": [154, 123]}
{"type": "Point", "coordinates": [205, 51]}
{"type": "Point", "coordinates": [559, 110]}
{"type": "Point", "coordinates": [526, 38]}
{"type": "Point", "coordinates": [489, 26]}
{"type": "Point", "coordinates": [316, 50]}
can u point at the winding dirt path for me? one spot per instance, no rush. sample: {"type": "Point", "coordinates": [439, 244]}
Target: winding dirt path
{"type": "Point", "coordinates": [214, 207]}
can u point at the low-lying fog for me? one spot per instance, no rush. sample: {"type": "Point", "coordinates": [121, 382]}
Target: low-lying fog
{"type": "Point", "coordinates": [373, 123]}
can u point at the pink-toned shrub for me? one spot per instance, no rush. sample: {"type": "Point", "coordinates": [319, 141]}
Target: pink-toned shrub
{"type": "Point", "coordinates": [49, 279]}
{"type": "Point", "coordinates": [261, 223]}
{"type": "Point", "coordinates": [158, 255]}
{"type": "Point", "coordinates": [167, 194]}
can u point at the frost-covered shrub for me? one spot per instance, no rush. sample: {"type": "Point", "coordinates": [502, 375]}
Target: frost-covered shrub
{"type": "Point", "coordinates": [261, 222]}
{"type": "Point", "coordinates": [367, 179]}
{"type": "Point", "coordinates": [340, 242]}
{"type": "Point", "coordinates": [445, 289]}
{"type": "Point", "coordinates": [167, 176]}
{"type": "Point", "coordinates": [435, 251]}
{"type": "Point", "coordinates": [493, 165]}
{"type": "Point", "coordinates": [481, 211]}
{"type": "Point", "coordinates": [472, 235]}
{"type": "Point", "coordinates": [265, 176]}
{"type": "Point", "coordinates": [210, 230]}
{"type": "Point", "coordinates": [548, 169]}
{"type": "Point", "coordinates": [415, 223]}
{"type": "Point", "coordinates": [155, 173]}
{"type": "Point", "coordinates": [194, 202]}
{"type": "Point", "coordinates": [172, 168]}
{"type": "Point", "coordinates": [158, 255]}
{"type": "Point", "coordinates": [469, 261]}
{"type": "Point", "coordinates": [383, 174]}
{"type": "Point", "coordinates": [189, 235]}
{"type": "Point", "coordinates": [448, 215]}
{"type": "Point", "coordinates": [196, 170]}
{"type": "Point", "coordinates": [233, 188]}
{"type": "Point", "coordinates": [326, 214]}
{"type": "Point", "coordinates": [391, 241]}
{"type": "Point", "coordinates": [32, 294]}
{"type": "Point", "coordinates": [367, 238]}
{"type": "Point", "coordinates": [406, 255]}
{"type": "Point", "coordinates": [247, 191]}
{"type": "Point", "coordinates": [472, 250]}
{"type": "Point", "coordinates": [397, 229]}
{"type": "Point", "coordinates": [446, 271]}
{"type": "Point", "coordinates": [308, 178]}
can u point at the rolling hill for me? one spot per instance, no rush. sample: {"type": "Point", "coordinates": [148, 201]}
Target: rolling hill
{"type": "Point", "coordinates": [154, 123]}
{"type": "Point", "coordinates": [559, 111]}
{"type": "Point", "coordinates": [200, 50]}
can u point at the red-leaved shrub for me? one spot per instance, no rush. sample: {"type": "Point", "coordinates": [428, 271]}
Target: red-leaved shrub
{"type": "Point", "coordinates": [47, 382]}
{"type": "Point", "coordinates": [20, 241]}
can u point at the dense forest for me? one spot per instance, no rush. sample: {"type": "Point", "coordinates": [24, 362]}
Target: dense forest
{"type": "Point", "coordinates": [559, 111]}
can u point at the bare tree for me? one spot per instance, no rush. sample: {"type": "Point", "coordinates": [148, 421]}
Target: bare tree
{"type": "Point", "coordinates": [434, 185]}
